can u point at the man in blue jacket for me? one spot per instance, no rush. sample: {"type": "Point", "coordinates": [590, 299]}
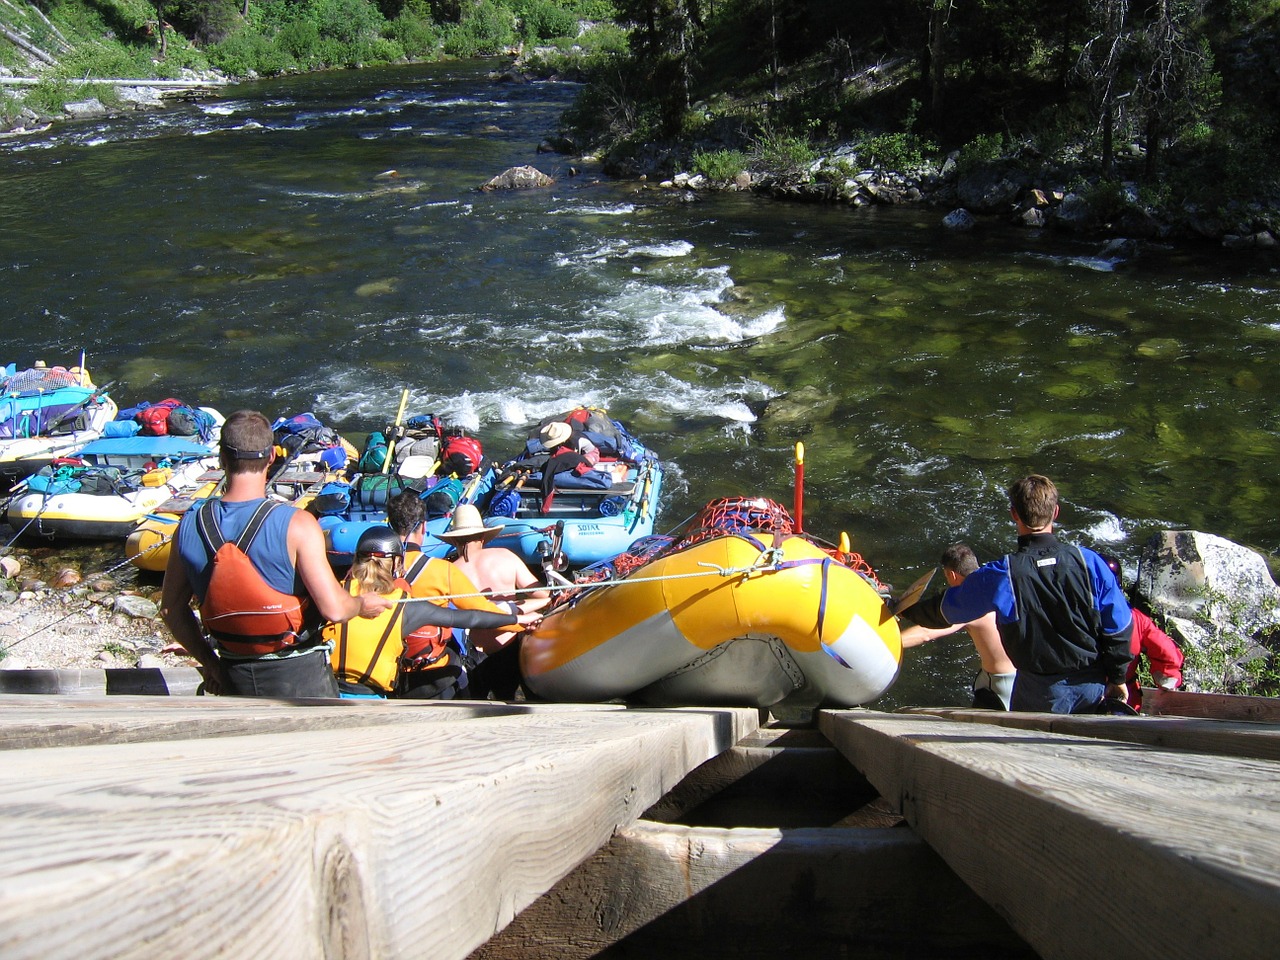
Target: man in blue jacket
{"type": "Point", "coordinates": [1062, 617]}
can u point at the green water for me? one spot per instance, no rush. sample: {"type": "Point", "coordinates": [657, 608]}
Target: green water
{"type": "Point", "coordinates": [260, 251]}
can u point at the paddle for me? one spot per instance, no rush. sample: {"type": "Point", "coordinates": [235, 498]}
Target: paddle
{"type": "Point", "coordinates": [912, 594]}
{"type": "Point", "coordinates": [74, 411]}
{"type": "Point", "coordinates": [798, 512]}
{"type": "Point", "coordinates": [395, 431]}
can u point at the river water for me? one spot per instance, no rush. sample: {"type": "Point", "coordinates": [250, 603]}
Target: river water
{"type": "Point", "coordinates": [319, 243]}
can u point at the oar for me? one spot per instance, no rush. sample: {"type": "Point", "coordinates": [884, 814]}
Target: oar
{"type": "Point", "coordinates": [391, 441]}
{"type": "Point", "coordinates": [799, 502]}
{"type": "Point", "coordinates": [75, 411]}
{"type": "Point", "coordinates": [912, 594]}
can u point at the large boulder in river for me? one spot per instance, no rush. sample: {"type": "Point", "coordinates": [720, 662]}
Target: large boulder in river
{"type": "Point", "coordinates": [1215, 597]}
{"type": "Point", "coordinates": [991, 187]}
{"type": "Point", "coordinates": [519, 178]}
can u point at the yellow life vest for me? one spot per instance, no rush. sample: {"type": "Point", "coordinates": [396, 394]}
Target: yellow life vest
{"type": "Point", "coordinates": [366, 650]}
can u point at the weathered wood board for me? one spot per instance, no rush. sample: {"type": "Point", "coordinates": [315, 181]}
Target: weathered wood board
{"type": "Point", "coordinates": [1090, 848]}
{"type": "Point", "coordinates": [395, 840]}
{"type": "Point", "coordinates": [662, 891]}
{"type": "Point", "coordinates": [64, 722]}
{"type": "Point", "coordinates": [1221, 706]}
{"type": "Point", "coordinates": [1231, 738]}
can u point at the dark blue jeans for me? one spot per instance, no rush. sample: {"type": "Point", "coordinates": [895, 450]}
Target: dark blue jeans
{"type": "Point", "coordinates": [306, 676]}
{"type": "Point", "coordinates": [1057, 692]}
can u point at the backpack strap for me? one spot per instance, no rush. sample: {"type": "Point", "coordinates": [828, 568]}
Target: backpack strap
{"type": "Point", "coordinates": [211, 533]}
{"type": "Point", "coordinates": [386, 634]}
{"type": "Point", "coordinates": [418, 566]}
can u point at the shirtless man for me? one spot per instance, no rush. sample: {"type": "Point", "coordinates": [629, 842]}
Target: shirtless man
{"type": "Point", "coordinates": [993, 685]}
{"type": "Point", "coordinates": [504, 576]}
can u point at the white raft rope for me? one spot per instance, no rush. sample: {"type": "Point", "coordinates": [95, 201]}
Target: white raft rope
{"type": "Point", "coordinates": [769, 561]}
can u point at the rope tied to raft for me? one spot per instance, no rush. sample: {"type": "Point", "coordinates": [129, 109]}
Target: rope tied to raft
{"type": "Point", "coordinates": [768, 562]}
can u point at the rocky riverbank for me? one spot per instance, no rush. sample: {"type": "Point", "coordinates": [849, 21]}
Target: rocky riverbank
{"type": "Point", "coordinates": [1005, 191]}
{"type": "Point", "coordinates": [56, 614]}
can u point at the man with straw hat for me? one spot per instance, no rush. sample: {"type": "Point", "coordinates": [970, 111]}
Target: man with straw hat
{"type": "Point", "coordinates": [502, 574]}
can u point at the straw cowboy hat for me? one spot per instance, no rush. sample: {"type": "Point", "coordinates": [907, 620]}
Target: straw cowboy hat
{"type": "Point", "coordinates": [555, 434]}
{"type": "Point", "coordinates": [468, 524]}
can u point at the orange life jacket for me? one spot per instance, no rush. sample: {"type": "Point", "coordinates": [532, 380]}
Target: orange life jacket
{"type": "Point", "coordinates": [241, 611]}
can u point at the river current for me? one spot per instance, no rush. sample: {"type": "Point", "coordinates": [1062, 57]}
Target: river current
{"type": "Point", "coordinates": [320, 242]}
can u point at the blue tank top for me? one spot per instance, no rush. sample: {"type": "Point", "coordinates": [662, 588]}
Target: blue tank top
{"type": "Point", "coordinates": [269, 552]}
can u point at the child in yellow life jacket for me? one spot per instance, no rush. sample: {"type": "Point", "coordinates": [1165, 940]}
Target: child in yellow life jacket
{"type": "Point", "coordinates": [367, 654]}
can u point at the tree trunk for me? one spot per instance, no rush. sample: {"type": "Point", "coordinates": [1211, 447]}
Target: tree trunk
{"type": "Point", "coordinates": [1108, 133]}
{"type": "Point", "coordinates": [1154, 133]}
{"type": "Point", "coordinates": [937, 58]}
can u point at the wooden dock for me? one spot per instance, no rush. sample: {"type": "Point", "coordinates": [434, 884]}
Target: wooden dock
{"type": "Point", "coordinates": [216, 827]}
{"type": "Point", "coordinates": [202, 827]}
{"type": "Point", "coordinates": [1091, 842]}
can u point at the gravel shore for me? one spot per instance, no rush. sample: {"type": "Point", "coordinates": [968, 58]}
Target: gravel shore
{"type": "Point", "coordinates": [54, 616]}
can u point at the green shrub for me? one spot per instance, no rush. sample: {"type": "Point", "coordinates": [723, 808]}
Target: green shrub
{"type": "Point", "coordinates": [417, 35]}
{"type": "Point", "coordinates": [484, 29]}
{"type": "Point", "coordinates": [48, 97]}
{"type": "Point", "coordinates": [300, 39]}
{"type": "Point", "coordinates": [789, 157]}
{"type": "Point", "coordinates": [106, 60]}
{"type": "Point", "coordinates": [246, 52]}
{"type": "Point", "coordinates": [543, 20]}
{"type": "Point", "coordinates": [896, 151]}
{"type": "Point", "coordinates": [347, 21]}
{"type": "Point", "coordinates": [1232, 661]}
{"type": "Point", "coordinates": [983, 148]}
{"type": "Point", "coordinates": [719, 166]}
{"type": "Point", "coordinates": [1107, 199]}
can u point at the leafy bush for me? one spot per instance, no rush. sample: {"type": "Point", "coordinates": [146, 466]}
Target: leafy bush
{"type": "Point", "coordinates": [249, 52]}
{"type": "Point", "coordinates": [543, 20]}
{"type": "Point", "coordinates": [896, 151]}
{"type": "Point", "coordinates": [300, 39]}
{"type": "Point", "coordinates": [485, 28]}
{"type": "Point", "coordinates": [789, 157]}
{"type": "Point", "coordinates": [106, 60]}
{"type": "Point", "coordinates": [1231, 660]}
{"type": "Point", "coordinates": [49, 96]}
{"type": "Point", "coordinates": [983, 148]}
{"type": "Point", "coordinates": [418, 36]}
{"type": "Point", "coordinates": [347, 21]}
{"type": "Point", "coordinates": [719, 165]}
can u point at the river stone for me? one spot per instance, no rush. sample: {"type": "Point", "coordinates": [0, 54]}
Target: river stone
{"type": "Point", "coordinates": [85, 108]}
{"type": "Point", "coordinates": [991, 187]}
{"type": "Point", "coordinates": [960, 219]}
{"type": "Point", "coordinates": [10, 567]}
{"type": "Point", "coordinates": [138, 607]}
{"type": "Point", "coordinates": [66, 577]}
{"type": "Point", "coordinates": [518, 178]}
{"type": "Point", "coordinates": [1178, 568]}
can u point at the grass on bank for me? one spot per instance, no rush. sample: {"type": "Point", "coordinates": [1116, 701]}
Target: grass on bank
{"type": "Point", "coordinates": [122, 39]}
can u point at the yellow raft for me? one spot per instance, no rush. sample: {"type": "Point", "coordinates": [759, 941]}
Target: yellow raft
{"type": "Point", "coordinates": [751, 618]}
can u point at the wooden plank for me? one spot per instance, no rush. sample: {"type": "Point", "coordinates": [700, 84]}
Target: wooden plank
{"type": "Point", "coordinates": [1219, 706]}
{"type": "Point", "coordinates": [661, 891]}
{"type": "Point", "coordinates": [385, 841]}
{"type": "Point", "coordinates": [148, 681]}
{"type": "Point", "coordinates": [67, 722]}
{"type": "Point", "coordinates": [1089, 848]}
{"type": "Point", "coordinates": [1221, 737]}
